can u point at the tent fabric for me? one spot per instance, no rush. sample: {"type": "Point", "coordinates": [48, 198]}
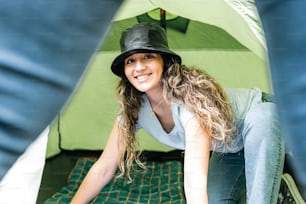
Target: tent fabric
{"type": "Point", "coordinates": [238, 18]}
{"type": "Point", "coordinates": [248, 12]}
{"type": "Point", "coordinates": [218, 39]}
{"type": "Point", "coordinates": [24, 177]}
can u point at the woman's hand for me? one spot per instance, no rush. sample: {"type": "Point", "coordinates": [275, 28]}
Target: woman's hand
{"type": "Point", "coordinates": [101, 172]}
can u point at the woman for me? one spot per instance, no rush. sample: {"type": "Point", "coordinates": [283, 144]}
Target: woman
{"type": "Point", "coordinates": [186, 108]}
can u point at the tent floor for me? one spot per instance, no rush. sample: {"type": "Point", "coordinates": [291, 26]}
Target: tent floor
{"type": "Point", "coordinates": [56, 171]}
{"type": "Point", "coordinates": [57, 168]}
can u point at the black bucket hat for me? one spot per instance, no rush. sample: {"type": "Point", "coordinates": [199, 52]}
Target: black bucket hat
{"type": "Point", "coordinates": [142, 38]}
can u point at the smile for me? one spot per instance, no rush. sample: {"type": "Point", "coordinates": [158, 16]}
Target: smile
{"type": "Point", "coordinates": [141, 78]}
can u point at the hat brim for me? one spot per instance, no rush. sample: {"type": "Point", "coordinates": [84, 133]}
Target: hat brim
{"type": "Point", "coordinates": [117, 64]}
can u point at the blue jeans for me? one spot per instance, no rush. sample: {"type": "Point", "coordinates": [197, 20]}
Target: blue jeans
{"type": "Point", "coordinates": [285, 30]}
{"type": "Point", "coordinates": [45, 47]}
{"type": "Point", "coordinates": [253, 173]}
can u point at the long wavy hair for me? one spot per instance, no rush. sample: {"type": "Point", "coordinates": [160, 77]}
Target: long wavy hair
{"type": "Point", "coordinates": [188, 86]}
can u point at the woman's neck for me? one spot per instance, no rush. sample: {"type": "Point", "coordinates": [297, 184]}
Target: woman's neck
{"type": "Point", "coordinates": [161, 108]}
{"type": "Point", "coordinates": [155, 96]}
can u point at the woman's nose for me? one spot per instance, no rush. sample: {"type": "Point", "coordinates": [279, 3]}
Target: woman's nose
{"type": "Point", "coordinates": [139, 66]}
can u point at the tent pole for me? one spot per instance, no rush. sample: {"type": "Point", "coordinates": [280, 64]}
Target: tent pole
{"type": "Point", "coordinates": [163, 18]}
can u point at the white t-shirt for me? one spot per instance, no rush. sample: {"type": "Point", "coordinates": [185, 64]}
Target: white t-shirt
{"type": "Point", "coordinates": [242, 99]}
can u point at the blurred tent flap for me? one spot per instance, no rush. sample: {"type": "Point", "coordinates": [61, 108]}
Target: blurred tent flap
{"type": "Point", "coordinates": [222, 37]}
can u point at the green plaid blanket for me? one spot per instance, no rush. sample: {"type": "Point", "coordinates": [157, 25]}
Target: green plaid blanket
{"type": "Point", "coordinates": [161, 183]}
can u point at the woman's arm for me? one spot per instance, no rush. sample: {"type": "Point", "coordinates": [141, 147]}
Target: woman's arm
{"type": "Point", "coordinates": [197, 151]}
{"type": "Point", "coordinates": [101, 172]}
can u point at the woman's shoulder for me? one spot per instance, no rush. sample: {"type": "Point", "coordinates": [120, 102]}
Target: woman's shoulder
{"type": "Point", "coordinates": [181, 113]}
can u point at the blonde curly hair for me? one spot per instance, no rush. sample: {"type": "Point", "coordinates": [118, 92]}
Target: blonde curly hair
{"type": "Point", "coordinates": [188, 86]}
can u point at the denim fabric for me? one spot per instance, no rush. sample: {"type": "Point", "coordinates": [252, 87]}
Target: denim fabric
{"type": "Point", "coordinates": [45, 47]}
{"type": "Point", "coordinates": [284, 23]}
{"type": "Point", "coordinates": [255, 172]}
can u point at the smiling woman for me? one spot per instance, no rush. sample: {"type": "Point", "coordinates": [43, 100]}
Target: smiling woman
{"type": "Point", "coordinates": [144, 71]}
{"type": "Point", "coordinates": [192, 113]}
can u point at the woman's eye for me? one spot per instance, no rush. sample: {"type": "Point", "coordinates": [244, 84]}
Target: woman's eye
{"type": "Point", "coordinates": [148, 56]}
{"type": "Point", "coordinates": [129, 61]}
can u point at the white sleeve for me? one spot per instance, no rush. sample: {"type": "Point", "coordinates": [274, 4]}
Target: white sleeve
{"type": "Point", "coordinates": [185, 115]}
{"type": "Point", "coordinates": [120, 121]}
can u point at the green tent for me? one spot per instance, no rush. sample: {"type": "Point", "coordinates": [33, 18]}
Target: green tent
{"type": "Point", "coordinates": [222, 37]}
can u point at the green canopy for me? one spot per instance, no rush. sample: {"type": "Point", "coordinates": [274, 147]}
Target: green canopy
{"type": "Point", "coordinates": [222, 37]}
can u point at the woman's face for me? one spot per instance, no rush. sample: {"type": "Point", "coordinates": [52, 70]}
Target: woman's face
{"type": "Point", "coordinates": [144, 70]}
